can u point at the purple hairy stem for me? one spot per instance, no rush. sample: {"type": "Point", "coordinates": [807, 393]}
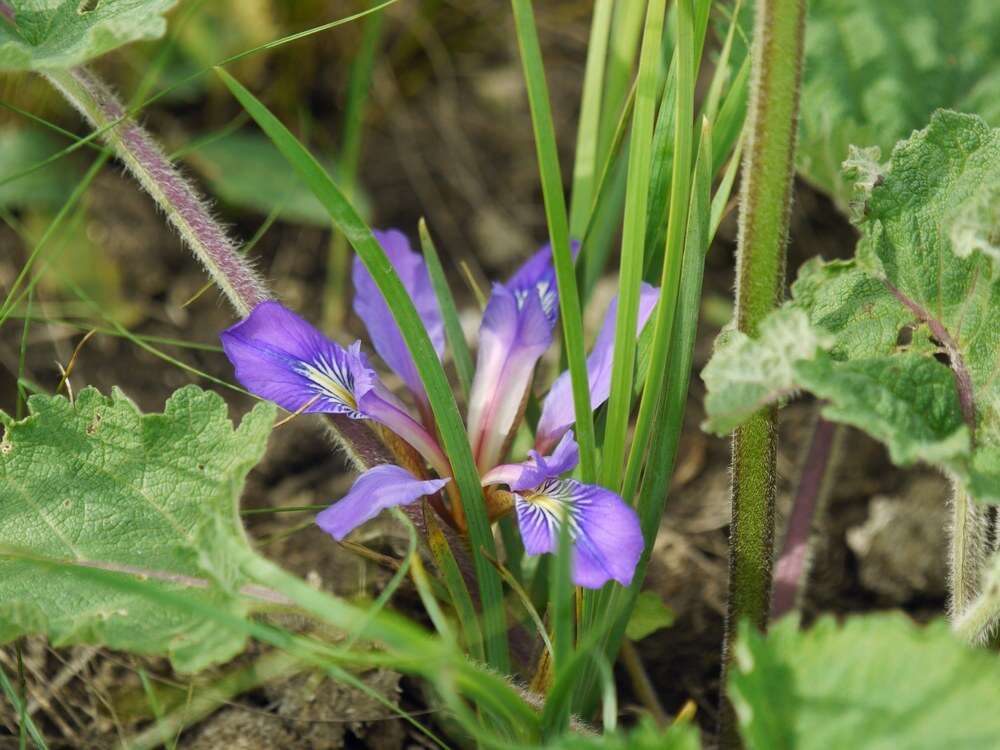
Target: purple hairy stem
{"type": "Point", "coordinates": [7, 12]}
{"type": "Point", "coordinates": [185, 208]}
{"type": "Point", "coordinates": [792, 567]}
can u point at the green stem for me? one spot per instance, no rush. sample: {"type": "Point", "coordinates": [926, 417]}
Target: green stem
{"type": "Point", "coordinates": [977, 622]}
{"type": "Point", "coordinates": [967, 548]}
{"type": "Point", "coordinates": [765, 202]}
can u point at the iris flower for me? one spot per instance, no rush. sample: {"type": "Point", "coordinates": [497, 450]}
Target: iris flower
{"type": "Point", "coordinates": [281, 357]}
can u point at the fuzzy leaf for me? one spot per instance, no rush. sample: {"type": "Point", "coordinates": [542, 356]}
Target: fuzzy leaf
{"type": "Point", "coordinates": [98, 484]}
{"type": "Point", "coordinates": [875, 682]}
{"type": "Point", "coordinates": [48, 34]}
{"type": "Point", "coordinates": [746, 374]}
{"type": "Point", "coordinates": [875, 71]}
{"type": "Point", "coordinates": [911, 325]}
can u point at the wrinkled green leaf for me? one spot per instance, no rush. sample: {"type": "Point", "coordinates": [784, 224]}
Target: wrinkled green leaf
{"type": "Point", "coordinates": [911, 327]}
{"type": "Point", "coordinates": [649, 615]}
{"type": "Point", "coordinates": [47, 34]}
{"type": "Point", "coordinates": [246, 171]}
{"type": "Point", "coordinates": [875, 71]}
{"type": "Point", "coordinates": [98, 484]}
{"type": "Point", "coordinates": [748, 374]}
{"type": "Point", "coordinates": [877, 681]}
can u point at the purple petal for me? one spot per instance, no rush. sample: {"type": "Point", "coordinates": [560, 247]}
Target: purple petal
{"type": "Point", "coordinates": [377, 489]}
{"type": "Point", "coordinates": [370, 306]}
{"type": "Point", "coordinates": [558, 414]}
{"type": "Point", "coordinates": [607, 539]}
{"type": "Point", "coordinates": [511, 339]}
{"type": "Point", "coordinates": [283, 358]}
{"type": "Point", "coordinates": [538, 468]}
{"type": "Point", "coordinates": [538, 274]}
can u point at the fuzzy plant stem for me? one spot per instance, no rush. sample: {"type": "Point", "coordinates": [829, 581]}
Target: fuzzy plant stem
{"type": "Point", "coordinates": [967, 550]}
{"type": "Point", "coordinates": [792, 568]}
{"type": "Point", "coordinates": [978, 621]}
{"type": "Point", "coordinates": [765, 202]}
{"type": "Point", "coordinates": [186, 210]}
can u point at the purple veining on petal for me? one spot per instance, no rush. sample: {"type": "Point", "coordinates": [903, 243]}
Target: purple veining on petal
{"type": "Point", "coordinates": [511, 339]}
{"type": "Point", "coordinates": [371, 307]}
{"type": "Point", "coordinates": [282, 357]}
{"type": "Point", "coordinates": [538, 274]}
{"type": "Point", "coordinates": [558, 414]}
{"type": "Point", "coordinates": [379, 488]}
{"type": "Point", "coordinates": [605, 532]}
{"type": "Point", "coordinates": [538, 468]}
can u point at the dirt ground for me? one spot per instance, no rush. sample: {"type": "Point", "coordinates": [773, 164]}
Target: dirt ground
{"type": "Point", "coordinates": [448, 137]}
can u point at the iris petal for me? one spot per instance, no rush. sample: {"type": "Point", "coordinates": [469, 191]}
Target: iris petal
{"type": "Point", "coordinates": [379, 488]}
{"type": "Point", "coordinates": [537, 274]}
{"type": "Point", "coordinates": [538, 468]}
{"type": "Point", "coordinates": [558, 414]}
{"type": "Point", "coordinates": [512, 337]}
{"type": "Point", "coordinates": [606, 537]}
{"type": "Point", "coordinates": [370, 306]}
{"type": "Point", "coordinates": [283, 358]}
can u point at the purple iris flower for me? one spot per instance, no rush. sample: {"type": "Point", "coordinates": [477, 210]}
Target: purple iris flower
{"type": "Point", "coordinates": [281, 357]}
{"type": "Point", "coordinates": [607, 540]}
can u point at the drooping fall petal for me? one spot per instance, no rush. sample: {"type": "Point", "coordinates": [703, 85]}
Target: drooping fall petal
{"type": "Point", "coordinates": [606, 537]}
{"type": "Point", "coordinates": [379, 488]}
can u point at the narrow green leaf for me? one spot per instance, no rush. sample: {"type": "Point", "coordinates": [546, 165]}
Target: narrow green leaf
{"type": "Point", "coordinates": [439, 393]}
{"type": "Point", "coordinates": [589, 123]}
{"type": "Point", "coordinates": [454, 582]}
{"type": "Point", "coordinates": [464, 365]}
{"type": "Point", "coordinates": [561, 612]}
{"type": "Point", "coordinates": [633, 237]}
{"type": "Point", "coordinates": [555, 213]}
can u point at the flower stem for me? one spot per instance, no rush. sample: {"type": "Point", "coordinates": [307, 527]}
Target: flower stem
{"type": "Point", "coordinates": [979, 619]}
{"type": "Point", "coordinates": [186, 210]}
{"type": "Point", "coordinates": [765, 202]}
{"type": "Point", "coordinates": [814, 484]}
{"type": "Point", "coordinates": [967, 550]}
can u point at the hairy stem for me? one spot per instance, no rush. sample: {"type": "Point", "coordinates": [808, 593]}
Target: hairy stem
{"type": "Point", "coordinates": [186, 210]}
{"type": "Point", "coordinates": [765, 202]}
{"type": "Point", "coordinates": [967, 550]}
{"type": "Point", "coordinates": [978, 621]}
{"type": "Point", "coordinates": [814, 483]}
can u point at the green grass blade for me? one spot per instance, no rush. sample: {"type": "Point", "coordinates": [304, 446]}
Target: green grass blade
{"type": "Point", "coordinates": [439, 393]}
{"type": "Point", "coordinates": [728, 125]}
{"type": "Point", "coordinates": [637, 194]}
{"type": "Point", "coordinates": [555, 212]}
{"type": "Point", "coordinates": [589, 123]}
{"type": "Point", "coordinates": [449, 311]}
{"type": "Point", "coordinates": [626, 28]}
{"type": "Point", "coordinates": [27, 724]}
{"type": "Point", "coordinates": [458, 592]}
{"type": "Point", "coordinates": [561, 609]}
{"type": "Point", "coordinates": [675, 240]}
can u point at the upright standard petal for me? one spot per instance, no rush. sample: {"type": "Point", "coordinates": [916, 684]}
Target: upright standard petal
{"type": "Point", "coordinates": [558, 414]}
{"type": "Point", "coordinates": [538, 468]}
{"type": "Point", "coordinates": [512, 337]}
{"type": "Point", "coordinates": [370, 306]}
{"type": "Point", "coordinates": [379, 488]}
{"type": "Point", "coordinates": [538, 275]}
{"type": "Point", "coordinates": [606, 537]}
{"type": "Point", "coordinates": [283, 358]}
